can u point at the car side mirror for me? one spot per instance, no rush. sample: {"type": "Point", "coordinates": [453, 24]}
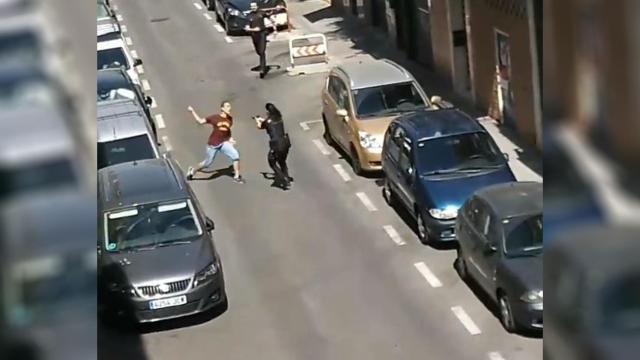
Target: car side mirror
{"type": "Point", "coordinates": [490, 248]}
{"type": "Point", "coordinates": [210, 225]}
{"type": "Point", "coordinates": [435, 100]}
{"type": "Point", "coordinates": [342, 113]}
{"type": "Point", "coordinates": [506, 156]}
{"type": "Point", "coordinates": [148, 100]}
{"type": "Point", "coordinates": [137, 62]}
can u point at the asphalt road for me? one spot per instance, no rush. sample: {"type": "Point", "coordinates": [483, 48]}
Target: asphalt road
{"type": "Point", "coordinates": [311, 273]}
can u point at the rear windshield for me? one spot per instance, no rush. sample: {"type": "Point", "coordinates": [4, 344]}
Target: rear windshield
{"type": "Point", "coordinates": [124, 150]}
{"type": "Point", "coordinates": [112, 58]}
{"type": "Point", "coordinates": [387, 100]}
{"type": "Point", "coordinates": [33, 177]}
{"type": "Point", "coordinates": [20, 48]}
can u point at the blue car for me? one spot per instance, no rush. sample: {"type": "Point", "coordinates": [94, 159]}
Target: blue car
{"type": "Point", "coordinates": [433, 161]}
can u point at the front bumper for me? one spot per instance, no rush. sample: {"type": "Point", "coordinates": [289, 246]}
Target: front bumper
{"type": "Point", "coordinates": [440, 230]}
{"type": "Point", "coordinates": [528, 316]}
{"type": "Point", "coordinates": [199, 299]}
{"type": "Point", "coordinates": [371, 160]}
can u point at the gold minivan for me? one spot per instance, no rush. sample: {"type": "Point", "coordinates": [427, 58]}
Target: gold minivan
{"type": "Point", "coordinates": [360, 99]}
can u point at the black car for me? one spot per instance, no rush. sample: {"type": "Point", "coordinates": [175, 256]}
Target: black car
{"type": "Point", "coordinates": [233, 13]}
{"type": "Point", "coordinates": [499, 232]}
{"type": "Point", "coordinates": [156, 255]}
{"type": "Point", "coordinates": [111, 80]}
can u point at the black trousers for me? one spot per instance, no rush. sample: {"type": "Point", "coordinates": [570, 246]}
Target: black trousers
{"type": "Point", "coordinates": [260, 46]}
{"type": "Point", "coordinates": [278, 162]}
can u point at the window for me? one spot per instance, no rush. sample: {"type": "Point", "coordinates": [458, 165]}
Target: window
{"type": "Point", "coordinates": [405, 162]}
{"type": "Point", "coordinates": [342, 95]}
{"type": "Point", "coordinates": [395, 143]}
{"type": "Point", "coordinates": [110, 58]}
{"type": "Point", "coordinates": [494, 234]}
{"type": "Point", "coordinates": [31, 177]}
{"type": "Point", "coordinates": [481, 216]}
{"type": "Point", "coordinates": [124, 150]}
{"type": "Point", "coordinates": [387, 99]}
{"type": "Point", "coordinates": [524, 236]}
{"type": "Point", "coordinates": [469, 210]}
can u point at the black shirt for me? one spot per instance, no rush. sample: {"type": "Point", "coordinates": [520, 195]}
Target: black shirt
{"type": "Point", "coordinates": [276, 132]}
{"type": "Point", "coordinates": [256, 20]}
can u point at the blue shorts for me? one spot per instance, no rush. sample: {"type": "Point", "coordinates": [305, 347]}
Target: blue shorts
{"type": "Point", "coordinates": [226, 148]}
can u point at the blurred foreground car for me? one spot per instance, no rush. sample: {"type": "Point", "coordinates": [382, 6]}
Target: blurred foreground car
{"type": "Point", "coordinates": [592, 280]}
{"type": "Point", "coordinates": [433, 161]}
{"type": "Point", "coordinates": [499, 232]}
{"type": "Point", "coordinates": [156, 252]}
{"type": "Point", "coordinates": [50, 273]}
{"type": "Point", "coordinates": [24, 40]}
{"type": "Point", "coordinates": [37, 152]}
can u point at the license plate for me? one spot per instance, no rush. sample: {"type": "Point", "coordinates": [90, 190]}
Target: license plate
{"type": "Point", "coordinates": [163, 303]}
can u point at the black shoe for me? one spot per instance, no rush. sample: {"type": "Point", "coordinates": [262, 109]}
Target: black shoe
{"type": "Point", "coordinates": [262, 74]}
{"type": "Point", "coordinates": [290, 179]}
{"type": "Point", "coordinates": [255, 68]}
{"type": "Point", "coordinates": [239, 180]}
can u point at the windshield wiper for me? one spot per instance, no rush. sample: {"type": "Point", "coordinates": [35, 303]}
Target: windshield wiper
{"type": "Point", "coordinates": [169, 243]}
{"type": "Point", "coordinates": [442, 171]}
{"type": "Point", "coordinates": [480, 167]}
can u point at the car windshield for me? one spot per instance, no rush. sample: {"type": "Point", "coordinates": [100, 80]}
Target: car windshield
{"type": "Point", "coordinates": [620, 304]}
{"type": "Point", "coordinates": [42, 285]}
{"type": "Point", "coordinates": [32, 177]}
{"type": "Point", "coordinates": [458, 153]}
{"type": "Point", "coordinates": [387, 100]}
{"type": "Point", "coordinates": [27, 91]}
{"type": "Point", "coordinates": [20, 48]}
{"type": "Point", "coordinates": [112, 58]}
{"type": "Point", "coordinates": [103, 12]}
{"type": "Point", "coordinates": [124, 150]}
{"type": "Point", "coordinates": [110, 88]}
{"type": "Point", "coordinates": [151, 225]}
{"type": "Point", "coordinates": [523, 235]}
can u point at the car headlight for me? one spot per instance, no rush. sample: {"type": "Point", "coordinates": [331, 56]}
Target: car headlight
{"type": "Point", "coordinates": [206, 274]}
{"type": "Point", "coordinates": [234, 12]}
{"type": "Point", "coordinates": [368, 141]}
{"type": "Point", "coordinates": [444, 214]}
{"type": "Point", "coordinates": [532, 297]}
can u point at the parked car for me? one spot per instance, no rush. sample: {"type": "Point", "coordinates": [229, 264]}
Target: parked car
{"type": "Point", "coordinates": [499, 231]}
{"type": "Point", "coordinates": [592, 276]}
{"type": "Point", "coordinates": [108, 26]}
{"type": "Point", "coordinates": [24, 41]}
{"type": "Point", "coordinates": [124, 134]}
{"type": "Point", "coordinates": [359, 100]}
{"type": "Point", "coordinates": [233, 14]}
{"type": "Point", "coordinates": [115, 54]}
{"type": "Point", "coordinates": [157, 258]}
{"type": "Point", "coordinates": [112, 82]}
{"type": "Point", "coordinates": [433, 161]}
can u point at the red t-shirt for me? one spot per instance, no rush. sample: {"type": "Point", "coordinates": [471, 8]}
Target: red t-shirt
{"type": "Point", "coordinates": [221, 129]}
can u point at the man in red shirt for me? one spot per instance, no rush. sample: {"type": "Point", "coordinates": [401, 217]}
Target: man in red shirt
{"type": "Point", "coordinates": [219, 140]}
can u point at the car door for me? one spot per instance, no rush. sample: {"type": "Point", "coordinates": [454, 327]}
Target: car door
{"type": "Point", "coordinates": [491, 254]}
{"type": "Point", "coordinates": [329, 103]}
{"type": "Point", "coordinates": [475, 235]}
{"type": "Point", "coordinates": [406, 172]}
{"type": "Point", "coordinates": [464, 227]}
{"type": "Point", "coordinates": [344, 133]}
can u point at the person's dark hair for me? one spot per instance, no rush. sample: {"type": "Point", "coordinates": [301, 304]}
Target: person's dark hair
{"type": "Point", "coordinates": [273, 111]}
{"type": "Point", "coordinates": [224, 102]}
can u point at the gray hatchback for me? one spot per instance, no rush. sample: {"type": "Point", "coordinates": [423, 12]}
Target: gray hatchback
{"type": "Point", "coordinates": [157, 259]}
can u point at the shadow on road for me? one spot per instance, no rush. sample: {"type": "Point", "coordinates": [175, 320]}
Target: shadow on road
{"type": "Point", "coordinates": [184, 322]}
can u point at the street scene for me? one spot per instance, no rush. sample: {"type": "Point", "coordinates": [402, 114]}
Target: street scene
{"type": "Point", "coordinates": [327, 261]}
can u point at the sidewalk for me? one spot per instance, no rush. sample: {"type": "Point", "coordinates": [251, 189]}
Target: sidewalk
{"type": "Point", "coordinates": [350, 39]}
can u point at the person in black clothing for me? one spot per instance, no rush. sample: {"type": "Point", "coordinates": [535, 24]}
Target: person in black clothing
{"type": "Point", "coordinates": [259, 31]}
{"type": "Point", "coordinates": [279, 145]}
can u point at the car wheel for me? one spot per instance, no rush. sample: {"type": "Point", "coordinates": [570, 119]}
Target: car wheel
{"type": "Point", "coordinates": [423, 233]}
{"type": "Point", "coordinates": [506, 315]}
{"type": "Point", "coordinates": [387, 193]}
{"type": "Point", "coordinates": [327, 133]}
{"type": "Point", "coordinates": [461, 266]}
{"type": "Point", "coordinates": [210, 4]}
{"type": "Point", "coordinates": [355, 161]}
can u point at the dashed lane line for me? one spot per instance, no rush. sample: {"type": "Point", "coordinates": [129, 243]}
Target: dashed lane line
{"type": "Point", "coordinates": [154, 104]}
{"type": "Point", "coordinates": [145, 85]}
{"type": "Point", "coordinates": [160, 121]}
{"type": "Point", "coordinates": [123, 28]}
{"type": "Point", "coordinates": [393, 234]}
{"type": "Point", "coordinates": [321, 147]}
{"type": "Point", "coordinates": [228, 39]}
{"type": "Point", "coordinates": [218, 28]}
{"type": "Point", "coordinates": [366, 201]}
{"type": "Point", "coordinates": [120, 18]}
{"type": "Point", "coordinates": [128, 41]}
{"type": "Point", "coordinates": [427, 274]}
{"type": "Point", "coordinates": [466, 321]}
{"type": "Point", "coordinates": [140, 69]}
{"type": "Point", "coordinates": [495, 356]}
{"type": "Point", "coordinates": [342, 172]}
{"type": "Point", "coordinates": [167, 143]}
{"type": "Point", "coordinates": [207, 16]}
{"type": "Point", "coordinates": [134, 54]}
{"type": "Point", "coordinates": [198, 6]}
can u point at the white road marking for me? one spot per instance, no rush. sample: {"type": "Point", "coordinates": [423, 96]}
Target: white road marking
{"type": "Point", "coordinates": [128, 41]}
{"type": "Point", "coordinates": [228, 39]}
{"type": "Point", "coordinates": [123, 28]}
{"type": "Point", "coordinates": [115, 7]}
{"type": "Point", "coordinates": [207, 16]}
{"type": "Point", "coordinates": [140, 69]}
{"type": "Point", "coordinates": [466, 321]}
{"type": "Point", "coordinates": [145, 85]}
{"type": "Point", "coordinates": [366, 201]}
{"type": "Point", "coordinates": [427, 274]}
{"type": "Point", "coordinates": [218, 28]}
{"type": "Point", "coordinates": [160, 121]}
{"type": "Point", "coordinates": [495, 356]}
{"type": "Point", "coordinates": [198, 6]}
{"type": "Point", "coordinates": [154, 104]}
{"type": "Point", "coordinates": [321, 147]}
{"type": "Point", "coordinates": [343, 174]}
{"type": "Point", "coordinates": [304, 126]}
{"type": "Point", "coordinates": [134, 54]}
{"type": "Point", "coordinates": [167, 144]}
{"type": "Point", "coordinates": [120, 18]}
{"type": "Point", "coordinates": [393, 234]}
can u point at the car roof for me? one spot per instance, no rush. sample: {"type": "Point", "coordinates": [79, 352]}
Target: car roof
{"type": "Point", "coordinates": [33, 134]}
{"type": "Point", "coordinates": [113, 75]}
{"type": "Point", "coordinates": [107, 26]}
{"type": "Point", "coordinates": [138, 182]}
{"type": "Point", "coordinates": [120, 119]}
{"type": "Point", "coordinates": [428, 124]}
{"type": "Point", "coordinates": [513, 198]}
{"type": "Point", "coordinates": [110, 44]}
{"type": "Point", "coordinates": [364, 74]}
